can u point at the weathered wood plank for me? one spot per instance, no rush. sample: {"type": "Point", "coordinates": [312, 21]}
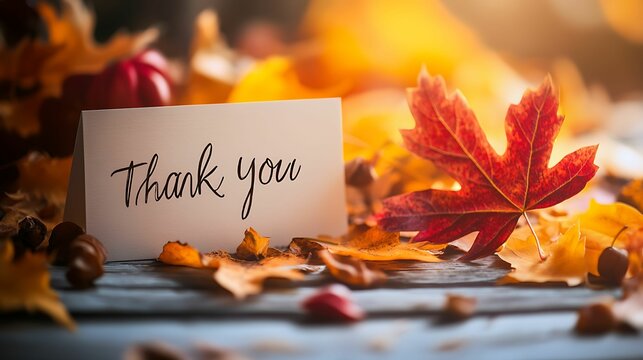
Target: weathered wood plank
{"type": "Point", "coordinates": [148, 288]}
{"type": "Point", "coordinates": [285, 302]}
{"type": "Point", "coordinates": [535, 336]}
{"type": "Point", "coordinates": [152, 274]}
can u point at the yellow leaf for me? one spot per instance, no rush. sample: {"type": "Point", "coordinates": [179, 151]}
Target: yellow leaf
{"type": "Point", "coordinates": [361, 38]}
{"type": "Point", "coordinates": [245, 280]}
{"type": "Point", "coordinates": [624, 17]}
{"type": "Point", "coordinates": [214, 68]}
{"type": "Point", "coordinates": [73, 31]}
{"type": "Point", "coordinates": [24, 285]}
{"type": "Point", "coordinates": [630, 309]}
{"type": "Point", "coordinates": [601, 223]}
{"type": "Point", "coordinates": [376, 244]}
{"type": "Point", "coordinates": [276, 79]}
{"type": "Point", "coordinates": [565, 260]}
{"type": "Point", "coordinates": [253, 247]}
{"type": "Point", "coordinates": [632, 194]}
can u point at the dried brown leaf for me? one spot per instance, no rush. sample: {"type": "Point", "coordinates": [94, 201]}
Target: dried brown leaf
{"type": "Point", "coordinates": [376, 244]}
{"type": "Point", "coordinates": [253, 247]}
{"type": "Point", "coordinates": [351, 271]}
{"type": "Point", "coordinates": [245, 280]}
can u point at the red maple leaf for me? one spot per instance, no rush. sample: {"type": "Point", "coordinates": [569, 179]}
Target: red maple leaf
{"type": "Point", "coordinates": [495, 189]}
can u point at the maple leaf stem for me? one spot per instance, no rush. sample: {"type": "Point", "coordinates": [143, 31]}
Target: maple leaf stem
{"type": "Point", "coordinates": [541, 253]}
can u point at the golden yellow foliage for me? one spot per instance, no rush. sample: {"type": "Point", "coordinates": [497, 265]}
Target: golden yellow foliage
{"type": "Point", "coordinates": [24, 285]}
{"type": "Point", "coordinates": [245, 280]}
{"type": "Point", "coordinates": [376, 244]}
{"type": "Point", "coordinates": [253, 246]}
{"type": "Point", "coordinates": [276, 79]}
{"type": "Point", "coordinates": [565, 260]}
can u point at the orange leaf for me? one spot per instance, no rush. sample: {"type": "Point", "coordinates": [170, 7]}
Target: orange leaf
{"type": "Point", "coordinates": [351, 271]}
{"type": "Point", "coordinates": [376, 244]}
{"type": "Point", "coordinates": [630, 309]}
{"type": "Point", "coordinates": [24, 285]}
{"type": "Point", "coordinates": [253, 247]}
{"type": "Point", "coordinates": [245, 280]}
{"type": "Point", "coordinates": [214, 68]}
{"type": "Point", "coordinates": [178, 253]}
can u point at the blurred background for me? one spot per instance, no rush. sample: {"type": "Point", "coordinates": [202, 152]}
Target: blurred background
{"type": "Point", "coordinates": [60, 57]}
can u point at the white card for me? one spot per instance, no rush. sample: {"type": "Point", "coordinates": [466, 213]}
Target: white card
{"type": "Point", "coordinates": [142, 177]}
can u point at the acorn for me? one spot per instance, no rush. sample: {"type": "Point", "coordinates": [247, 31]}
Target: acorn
{"type": "Point", "coordinates": [595, 319]}
{"type": "Point", "coordinates": [612, 265]}
{"type": "Point", "coordinates": [61, 237]}
{"type": "Point", "coordinates": [83, 270]}
{"type": "Point", "coordinates": [87, 244]}
{"type": "Point", "coordinates": [86, 258]}
{"type": "Point", "coordinates": [31, 232]}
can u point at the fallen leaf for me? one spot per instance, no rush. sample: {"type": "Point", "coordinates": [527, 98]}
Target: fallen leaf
{"type": "Point", "coordinates": [601, 223]}
{"type": "Point", "coordinates": [154, 351]}
{"type": "Point", "coordinates": [565, 262]}
{"type": "Point", "coordinates": [73, 31]}
{"type": "Point", "coordinates": [630, 309]}
{"type": "Point", "coordinates": [45, 177]}
{"type": "Point", "coordinates": [304, 248]}
{"type": "Point", "coordinates": [333, 303]}
{"type": "Point", "coordinates": [376, 244]}
{"type": "Point", "coordinates": [24, 285]}
{"type": "Point", "coordinates": [284, 259]}
{"type": "Point", "coordinates": [70, 49]}
{"type": "Point", "coordinates": [253, 246]}
{"type": "Point", "coordinates": [178, 253]}
{"type": "Point", "coordinates": [632, 194]}
{"type": "Point", "coordinates": [276, 347]}
{"type": "Point", "coordinates": [496, 190]}
{"type": "Point", "coordinates": [208, 351]}
{"type": "Point", "coordinates": [245, 280]}
{"type": "Point", "coordinates": [458, 307]}
{"type": "Point", "coordinates": [351, 271]}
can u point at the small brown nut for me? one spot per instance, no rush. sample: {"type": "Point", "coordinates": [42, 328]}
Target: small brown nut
{"type": "Point", "coordinates": [61, 237]}
{"type": "Point", "coordinates": [86, 243]}
{"type": "Point", "coordinates": [31, 232]}
{"type": "Point", "coordinates": [612, 265]}
{"type": "Point", "coordinates": [84, 268]}
{"type": "Point", "coordinates": [595, 319]}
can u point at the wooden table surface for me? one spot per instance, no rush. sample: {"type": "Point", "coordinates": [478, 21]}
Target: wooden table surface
{"type": "Point", "coordinates": [144, 301]}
